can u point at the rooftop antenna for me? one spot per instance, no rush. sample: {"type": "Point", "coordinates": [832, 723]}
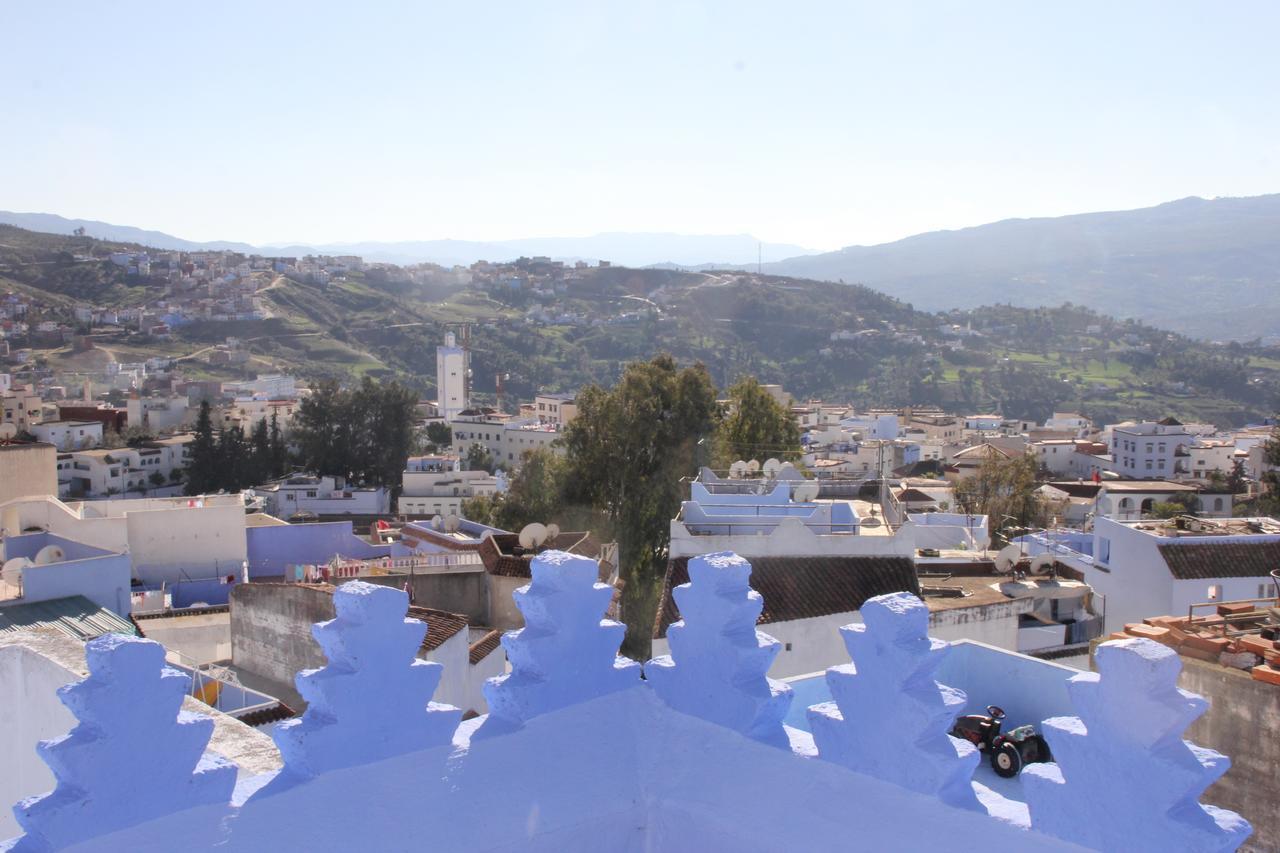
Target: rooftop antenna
{"type": "Point", "coordinates": [759, 257]}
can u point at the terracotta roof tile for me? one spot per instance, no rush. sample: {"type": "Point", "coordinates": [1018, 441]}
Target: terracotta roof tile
{"type": "Point", "coordinates": [804, 587]}
{"type": "Point", "coordinates": [441, 625]}
{"type": "Point", "coordinates": [481, 648]}
{"type": "Point", "coordinates": [502, 554]}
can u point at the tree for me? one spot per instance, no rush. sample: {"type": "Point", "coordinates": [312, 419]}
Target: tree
{"type": "Point", "coordinates": [480, 509]}
{"type": "Point", "coordinates": [755, 427]}
{"type": "Point", "coordinates": [260, 449]}
{"type": "Point", "coordinates": [279, 452]}
{"type": "Point", "coordinates": [439, 436]}
{"type": "Point", "coordinates": [203, 470]}
{"type": "Point", "coordinates": [363, 435]}
{"type": "Point", "coordinates": [1004, 490]}
{"type": "Point", "coordinates": [628, 449]}
{"type": "Point", "coordinates": [479, 458]}
{"type": "Point", "coordinates": [235, 460]}
{"type": "Point", "coordinates": [157, 479]}
{"type": "Point", "coordinates": [1237, 482]}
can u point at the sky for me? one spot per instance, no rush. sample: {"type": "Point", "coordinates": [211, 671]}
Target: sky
{"type": "Point", "coordinates": [819, 124]}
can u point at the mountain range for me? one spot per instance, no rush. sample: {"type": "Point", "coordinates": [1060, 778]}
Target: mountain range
{"type": "Point", "coordinates": [619, 248]}
{"type": "Point", "coordinates": [1206, 268]}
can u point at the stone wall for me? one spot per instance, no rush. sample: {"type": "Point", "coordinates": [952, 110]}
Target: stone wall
{"type": "Point", "coordinates": [1244, 721]}
{"type": "Point", "coordinates": [464, 592]}
{"type": "Point", "coordinates": [270, 628]}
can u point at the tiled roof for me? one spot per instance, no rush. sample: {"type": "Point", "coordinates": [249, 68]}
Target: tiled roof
{"type": "Point", "coordinates": [804, 587]}
{"type": "Point", "coordinates": [1218, 559]}
{"type": "Point", "coordinates": [502, 554]}
{"type": "Point", "coordinates": [441, 625]}
{"type": "Point", "coordinates": [75, 616]}
{"type": "Point", "coordinates": [481, 648]}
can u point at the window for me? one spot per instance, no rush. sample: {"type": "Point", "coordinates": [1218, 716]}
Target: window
{"type": "Point", "coordinates": [311, 493]}
{"type": "Point", "coordinates": [1148, 464]}
{"type": "Point", "coordinates": [1162, 447]}
{"type": "Point", "coordinates": [1149, 447]}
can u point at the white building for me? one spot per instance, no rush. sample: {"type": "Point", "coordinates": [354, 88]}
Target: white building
{"type": "Point", "coordinates": [1150, 568]}
{"type": "Point", "coordinates": [435, 485]}
{"type": "Point", "coordinates": [1148, 450]}
{"type": "Point", "coordinates": [452, 367]}
{"type": "Point", "coordinates": [69, 435]}
{"type": "Point", "coordinates": [556, 409]}
{"type": "Point", "coordinates": [323, 496]}
{"type": "Point", "coordinates": [22, 408]}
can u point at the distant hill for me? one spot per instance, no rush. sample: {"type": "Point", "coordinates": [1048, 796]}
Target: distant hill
{"type": "Point", "coordinates": [817, 338]}
{"type": "Point", "coordinates": [1206, 268]}
{"type": "Point", "coordinates": [624, 249]}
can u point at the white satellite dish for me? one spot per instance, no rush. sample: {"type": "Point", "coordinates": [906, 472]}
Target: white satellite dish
{"type": "Point", "coordinates": [8, 430]}
{"type": "Point", "coordinates": [451, 523]}
{"type": "Point", "coordinates": [437, 523]}
{"type": "Point", "coordinates": [13, 569]}
{"type": "Point", "coordinates": [771, 467]}
{"type": "Point", "coordinates": [753, 466]}
{"type": "Point", "coordinates": [1007, 558]}
{"type": "Point", "coordinates": [737, 470]}
{"type": "Point", "coordinates": [1043, 565]}
{"type": "Point", "coordinates": [804, 492]}
{"type": "Point", "coordinates": [553, 530]}
{"type": "Point", "coordinates": [533, 535]}
{"type": "Point", "coordinates": [50, 554]}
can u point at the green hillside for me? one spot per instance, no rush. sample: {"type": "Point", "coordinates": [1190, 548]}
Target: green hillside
{"type": "Point", "coordinates": [1024, 362]}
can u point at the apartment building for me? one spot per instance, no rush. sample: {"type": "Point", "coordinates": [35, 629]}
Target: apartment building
{"type": "Point", "coordinates": [1148, 450]}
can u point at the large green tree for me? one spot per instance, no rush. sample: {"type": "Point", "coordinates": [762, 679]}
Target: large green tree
{"type": "Point", "coordinates": [203, 469]}
{"type": "Point", "coordinates": [363, 434]}
{"type": "Point", "coordinates": [628, 450]}
{"type": "Point", "coordinates": [756, 426]}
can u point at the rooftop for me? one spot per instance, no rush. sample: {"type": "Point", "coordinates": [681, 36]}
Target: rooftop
{"type": "Point", "coordinates": [803, 587]}
{"type": "Point", "coordinates": [75, 616]}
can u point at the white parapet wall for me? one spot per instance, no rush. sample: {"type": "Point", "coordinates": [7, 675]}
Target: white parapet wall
{"type": "Point", "coordinates": [580, 753]}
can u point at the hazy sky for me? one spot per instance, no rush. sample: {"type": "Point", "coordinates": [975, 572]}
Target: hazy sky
{"type": "Point", "coordinates": [822, 124]}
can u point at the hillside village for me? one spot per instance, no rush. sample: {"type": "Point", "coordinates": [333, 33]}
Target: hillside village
{"type": "Point", "coordinates": [1032, 530]}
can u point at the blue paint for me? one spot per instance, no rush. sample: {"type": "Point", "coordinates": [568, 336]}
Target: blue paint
{"type": "Point", "coordinates": [271, 549]}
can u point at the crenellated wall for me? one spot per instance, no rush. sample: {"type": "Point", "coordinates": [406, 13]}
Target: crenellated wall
{"type": "Point", "coordinates": [580, 753]}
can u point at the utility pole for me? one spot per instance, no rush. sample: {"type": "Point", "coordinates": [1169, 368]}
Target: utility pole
{"type": "Point", "coordinates": [759, 257]}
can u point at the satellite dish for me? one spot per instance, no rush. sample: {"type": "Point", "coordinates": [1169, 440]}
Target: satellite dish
{"type": "Point", "coordinates": [50, 554]}
{"type": "Point", "coordinates": [771, 467]}
{"type": "Point", "coordinates": [451, 523]}
{"type": "Point", "coordinates": [1007, 558]}
{"type": "Point", "coordinates": [437, 523]}
{"type": "Point", "coordinates": [1043, 565]}
{"type": "Point", "coordinates": [804, 492]}
{"type": "Point", "coordinates": [737, 470]}
{"type": "Point", "coordinates": [553, 530]}
{"type": "Point", "coordinates": [533, 535]}
{"type": "Point", "coordinates": [12, 571]}
{"type": "Point", "coordinates": [753, 466]}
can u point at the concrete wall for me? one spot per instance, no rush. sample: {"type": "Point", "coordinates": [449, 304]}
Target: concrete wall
{"type": "Point", "coordinates": [465, 592]}
{"type": "Point", "coordinates": [271, 637]}
{"type": "Point", "coordinates": [503, 614]}
{"type": "Point", "coordinates": [1029, 690]}
{"type": "Point", "coordinates": [28, 469]}
{"type": "Point", "coordinates": [200, 637]}
{"type": "Point", "coordinates": [995, 624]}
{"type": "Point", "coordinates": [270, 549]}
{"type": "Point", "coordinates": [1243, 721]}
{"type": "Point", "coordinates": [103, 580]}
{"type": "Point", "coordinates": [29, 714]}
{"type": "Point", "coordinates": [271, 628]}
{"type": "Point", "coordinates": [198, 542]}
